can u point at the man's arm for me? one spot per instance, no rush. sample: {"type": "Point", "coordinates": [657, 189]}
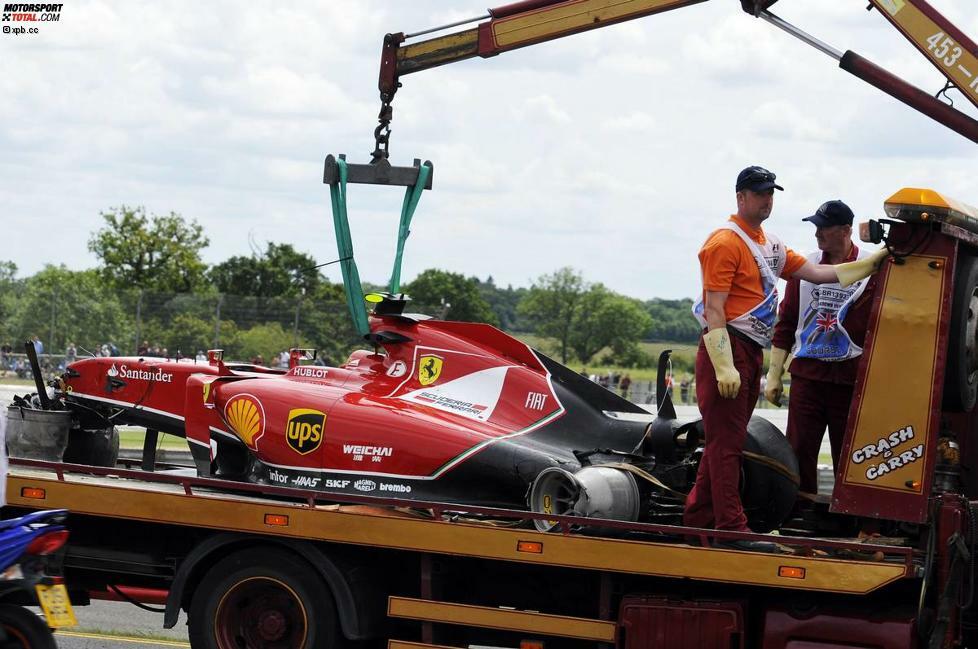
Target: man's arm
{"type": "Point", "coordinates": [845, 274]}
{"type": "Point", "coordinates": [714, 309]}
{"type": "Point", "coordinates": [718, 346]}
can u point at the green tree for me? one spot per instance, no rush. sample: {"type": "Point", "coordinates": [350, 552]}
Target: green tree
{"type": "Point", "coordinates": [186, 333]}
{"type": "Point", "coordinates": [267, 340]}
{"type": "Point", "coordinates": [672, 320]}
{"type": "Point", "coordinates": [159, 253]}
{"type": "Point", "coordinates": [325, 321]}
{"type": "Point", "coordinates": [8, 273]}
{"type": "Point", "coordinates": [279, 271]}
{"type": "Point", "coordinates": [10, 289]}
{"type": "Point", "coordinates": [607, 319]}
{"type": "Point", "coordinates": [460, 293]}
{"type": "Point", "coordinates": [60, 305]}
{"type": "Point", "coordinates": [552, 304]}
{"type": "Point", "coordinates": [503, 302]}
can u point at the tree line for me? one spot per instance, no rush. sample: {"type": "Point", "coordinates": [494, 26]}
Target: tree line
{"type": "Point", "coordinates": [152, 285]}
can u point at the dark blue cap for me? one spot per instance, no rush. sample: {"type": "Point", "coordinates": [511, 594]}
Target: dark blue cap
{"type": "Point", "coordinates": [757, 179]}
{"type": "Point", "coordinates": [831, 213]}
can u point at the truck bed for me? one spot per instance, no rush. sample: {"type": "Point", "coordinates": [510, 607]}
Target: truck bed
{"type": "Point", "coordinates": [181, 499]}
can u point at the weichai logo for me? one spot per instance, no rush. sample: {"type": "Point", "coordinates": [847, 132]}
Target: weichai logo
{"type": "Point", "coordinates": [304, 430]}
{"type": "Point", "coordinates": [31, 12]}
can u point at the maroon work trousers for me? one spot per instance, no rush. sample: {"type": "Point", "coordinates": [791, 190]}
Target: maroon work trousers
{"type": "Point", "coordinates": [813, 406]}
{"type": "Point", "coordinates": [715, 498]}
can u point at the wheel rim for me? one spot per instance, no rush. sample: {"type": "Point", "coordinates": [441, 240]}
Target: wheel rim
{"type": "Point", "coordinates": [15, 639]}
{"type": "Point", "coordinates": [260, 613]}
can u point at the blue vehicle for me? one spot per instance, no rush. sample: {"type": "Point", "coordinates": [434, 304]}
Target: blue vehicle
{"type": "Point", "coordinates": [31, 553]}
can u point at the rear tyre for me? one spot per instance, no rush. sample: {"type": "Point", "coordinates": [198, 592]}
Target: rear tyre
{"type": "Point", "coordinates": [22, 629]}
{"type": "Point", "coordinates": [770, 476]}
{"type": "Point", "coordinates": [961, 370]}
{"type": "Point", "coordinates": [263, 599]}
{"type": "Point", "coordinates": [95, 447]}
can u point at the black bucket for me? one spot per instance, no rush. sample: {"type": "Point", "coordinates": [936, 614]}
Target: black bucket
{"type": "Point", "coordinates": [37, 434]}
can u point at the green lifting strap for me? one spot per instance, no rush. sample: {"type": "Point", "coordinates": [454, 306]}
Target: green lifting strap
{"type": "Point", "coordinates": [411, 198]}
{"type": "Point", "coordinates": [344, 244]}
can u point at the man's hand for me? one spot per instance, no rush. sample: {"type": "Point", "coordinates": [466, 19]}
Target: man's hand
{"type": "Point", "coordinates": [851, 272]}
{"type": "Point", "coordinates": [717, 342]}
{"type": "Point", "coordinates": [775, 388]}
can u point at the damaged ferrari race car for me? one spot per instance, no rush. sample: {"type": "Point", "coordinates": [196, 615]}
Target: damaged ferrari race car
{"type": "Point", "coordinates": [441, 411]}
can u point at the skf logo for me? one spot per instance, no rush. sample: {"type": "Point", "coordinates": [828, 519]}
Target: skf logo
{"type": "Point", "coordinates": [429, 369]}
{"type": "Point", "coordinates": [246, 417]}
{"type": "Point", "coordinates": [304, 432]}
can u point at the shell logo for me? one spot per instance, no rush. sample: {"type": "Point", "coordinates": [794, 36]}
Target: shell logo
{"type": "Point", "coordinates": [246, 417]}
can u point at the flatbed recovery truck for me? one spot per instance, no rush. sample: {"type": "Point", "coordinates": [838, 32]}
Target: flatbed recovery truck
{"type": "Point", "coordinates": [257, 565]}
{"type": "Point", "coordinates": [361, 568]}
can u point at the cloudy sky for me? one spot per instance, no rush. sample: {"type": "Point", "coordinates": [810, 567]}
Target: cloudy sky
{"type": "Point", "coordinates": [613, 152]}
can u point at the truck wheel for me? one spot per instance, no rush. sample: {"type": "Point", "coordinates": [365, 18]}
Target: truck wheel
{"type": "Point", "coordinates": [961, 371]}
{"type": "Point", "coordinates": [22, 629]}
{"type": "Point", "coordinates": [262, 599]}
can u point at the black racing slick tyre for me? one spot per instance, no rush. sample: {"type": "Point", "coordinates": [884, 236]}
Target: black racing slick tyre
{"type": "Point", "coordinates": [96, 447]}
{"type": "Point", "coordinates": [770, 476]}
{"type": "Point", "coordinates": [961, 368]}
{"type": "Point", "coordinates": [22, 629]}
{"type": "Point", "coordinates": [263, 599]}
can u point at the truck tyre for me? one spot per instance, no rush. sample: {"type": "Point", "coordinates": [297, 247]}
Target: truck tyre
{"type": "Point", "coordinates": [22, 629]}
{"type": "Point", "coordinates": [961, 370]}
{"type": "Point", "coordinates": [263, 599]}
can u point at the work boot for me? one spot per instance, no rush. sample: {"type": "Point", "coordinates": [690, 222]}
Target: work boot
{"type": "Point", "coordinates": [752, 546]}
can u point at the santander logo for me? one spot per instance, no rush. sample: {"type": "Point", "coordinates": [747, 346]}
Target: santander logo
{"type": "Point", "coordinates": [125, 372]}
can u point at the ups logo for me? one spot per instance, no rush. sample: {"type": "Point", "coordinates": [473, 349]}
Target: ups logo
{"type": "Point", "coordinates": [304, 431]}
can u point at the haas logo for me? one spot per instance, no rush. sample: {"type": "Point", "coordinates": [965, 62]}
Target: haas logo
{"type": "Point", "coordinates": [304, 430]}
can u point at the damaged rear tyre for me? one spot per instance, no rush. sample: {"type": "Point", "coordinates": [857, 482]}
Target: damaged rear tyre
{"type": "Point", "coordinates": [96, 447]}
{"type": "Point", "coordinates": [770, 476]}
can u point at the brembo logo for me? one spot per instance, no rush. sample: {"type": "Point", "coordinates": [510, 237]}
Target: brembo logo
{"type": "Point", "coordinates": [304, 430]}
{"type": "Point", "coordinates": [124, 372]}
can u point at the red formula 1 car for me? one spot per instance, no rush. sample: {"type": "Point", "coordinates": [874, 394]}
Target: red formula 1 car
{"type": "Point", "coordinates": [440, 411]}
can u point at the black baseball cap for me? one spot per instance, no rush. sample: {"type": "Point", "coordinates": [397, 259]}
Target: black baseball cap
{"type": "Point", "coordinates": [757, 179]}
{"type": "Point", "coordinates": [831, 213]}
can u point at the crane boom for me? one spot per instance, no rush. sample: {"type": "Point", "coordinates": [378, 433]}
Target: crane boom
{"type": "Point", "coordinates": [529, 22]}
{"type": "Point", "coordinates": [944, 45]}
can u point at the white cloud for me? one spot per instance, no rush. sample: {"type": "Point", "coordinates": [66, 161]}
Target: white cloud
{"type": "Point", "coordinates": [613, 151]}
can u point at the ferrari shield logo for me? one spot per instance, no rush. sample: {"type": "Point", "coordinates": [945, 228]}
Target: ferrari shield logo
{"type": "Point", "coordinates": [429, 369]}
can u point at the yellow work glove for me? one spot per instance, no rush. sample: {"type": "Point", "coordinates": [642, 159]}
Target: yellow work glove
{"type": "Point", "coordinates": [717, 342]}
{"type": "Point", "coordinates": [775, 388]}
{"type": "Point", "coordinates": [851, 272]}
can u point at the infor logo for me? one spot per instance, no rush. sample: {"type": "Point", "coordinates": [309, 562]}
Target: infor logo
{"type": "Point", "coordinates": [304, 430]}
